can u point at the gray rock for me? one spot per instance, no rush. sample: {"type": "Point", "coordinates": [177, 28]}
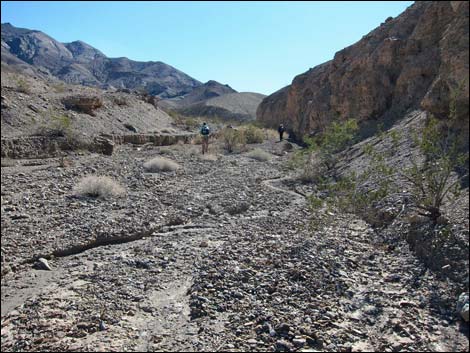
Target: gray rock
{"type": "Point", "coordinates": [42, 264]}
{"type": "Point", "coordinates": [299, 342]}
{"type": "Point", "coordinates": [284, 346]}
{"type": "Point", "coordinates": [463, 306]}
{"type": "Point", "coordinates": [104, 146]}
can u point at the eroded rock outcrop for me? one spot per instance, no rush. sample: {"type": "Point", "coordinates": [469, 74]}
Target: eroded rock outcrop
{"type": "Point", "coordinates": [85, 104]}
{"type": "Point", "coordinates": [415, 60]}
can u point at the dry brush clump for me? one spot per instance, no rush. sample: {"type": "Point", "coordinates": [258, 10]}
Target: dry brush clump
{"type": "Point", "coordinates": [160, 164]}
{"type": "Point", "coordinates": [23, 86]}
{"type": "Point", "coordinates": [7, 162]}
{"type": "Point", "coordinates": [208, 157]}
{"type": "Point", "coordinates": [98, 186]}
{"type": "Point", "coordinates": [259, 155]}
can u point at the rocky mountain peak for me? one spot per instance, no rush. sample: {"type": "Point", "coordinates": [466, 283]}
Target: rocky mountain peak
{"type": "Point", "coordinates": [83, 51]}
{"type": "Point", "coordinates": [80, 63]}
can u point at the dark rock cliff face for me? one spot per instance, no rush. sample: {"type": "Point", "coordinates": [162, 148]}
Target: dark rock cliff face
{"type": "Point", "coordinates": [414, 61]}
{"type": "Point", "coordinates": [80, 63]}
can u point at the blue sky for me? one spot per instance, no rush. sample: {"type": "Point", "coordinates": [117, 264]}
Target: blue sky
{"type": "Point", "coordinates": [252, 46]}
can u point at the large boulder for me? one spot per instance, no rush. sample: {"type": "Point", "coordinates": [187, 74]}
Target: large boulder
{"type": "Point", "coordinates": [103, 145]}
{"type": "Point", "coordinates": [463, 306]}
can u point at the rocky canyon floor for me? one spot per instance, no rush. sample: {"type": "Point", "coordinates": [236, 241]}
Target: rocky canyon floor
{"type": "Point", "coordinates": [215, 256]}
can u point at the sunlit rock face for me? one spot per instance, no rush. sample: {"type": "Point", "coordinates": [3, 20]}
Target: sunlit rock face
{"type": "Point", "coordinates": [413, 61]}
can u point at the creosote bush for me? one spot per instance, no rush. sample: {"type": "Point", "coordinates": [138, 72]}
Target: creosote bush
{"type": "Point", "coordinates": [99, 186]}
{"type": "Point", "coordinates": [253, 134]}
{"type": "Point", "coordinates": [432, 182]}
{"type": "Point", "coordinates": [23, 86]}
{"type": "Point", "coordinates": [233, 139]}
{"type": "Point", "coordinates": [160, 164]}
{"type": "Point", "coordinates": [320, 157]}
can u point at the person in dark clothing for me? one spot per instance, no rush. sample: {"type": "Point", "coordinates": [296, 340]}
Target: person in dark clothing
{"type": "Point", "coordinates": [205, 131]}
{"type": "Point", "coordinates": [281, 130]}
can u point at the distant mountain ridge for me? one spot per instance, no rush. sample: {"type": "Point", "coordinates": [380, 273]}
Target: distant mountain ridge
{"type": "Point", "coordinates": [36, 53]}
{"type": "Point", "coordinates": [214, 99]}
{"type": "Point", "coordinates": [80, 63]}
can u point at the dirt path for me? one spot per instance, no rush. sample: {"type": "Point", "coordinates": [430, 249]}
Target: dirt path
{"type": "Point", "coordinates": [225, 260]}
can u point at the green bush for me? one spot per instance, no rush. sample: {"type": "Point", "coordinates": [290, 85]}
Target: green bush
{"type": "Point", "coordinates": [253, 134]}
{"type": "Point", "coordinates": [432, 182]}
{"type": "Point", "coordinates": [23, 86]}
{"type": "Point", "coordinates": [56, 125]}
{"type": "Point", "coordinates": [232, 139]}
{"type": "Point", "coordinates": [334, 139]}
{"type": "Point", "coordinates": [320, 157]}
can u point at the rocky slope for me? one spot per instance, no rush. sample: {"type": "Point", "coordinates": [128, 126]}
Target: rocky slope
{"type": "Point", "coordinates": [235, 106]}
{"type": "Point", "coordinates": [415, 60]}
{"type": "Point", "coordinates": [30, 103]}
{"type": "Point", "coordinates": [208, 90]}
{"type": "Point", "coordinates": [80, 63]}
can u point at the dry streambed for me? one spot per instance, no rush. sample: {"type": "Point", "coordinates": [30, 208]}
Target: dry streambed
{"type": "Point", "coordinates": [219, 257]}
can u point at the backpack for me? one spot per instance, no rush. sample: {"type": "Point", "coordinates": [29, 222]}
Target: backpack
{"type": "Point", "coordinates": [205, 130]}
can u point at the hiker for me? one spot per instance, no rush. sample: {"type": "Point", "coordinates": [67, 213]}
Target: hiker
{"type": "Point", "coordinates": [281, 130]}
{"type": "Point", "coordinates": [205, 137]}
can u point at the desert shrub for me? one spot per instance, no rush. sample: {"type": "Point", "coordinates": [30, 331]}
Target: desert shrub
{"type": "Point", "coordinates": [120, 101]}
{"type": "Point", "coordinates": [272, 134]}
{"type": "Point", "coordinates": [58, 125]}
{"type": "Point", "coordinates": [196, 140]}
{"type": "Point", "coordinates": [59, 87]}
{"type": "Point", "coordinates": [23, 86]}
{"type": "Point", "coordinates": [159, 164]}
{"type": "Point", "coordinates": [253, 134]}
{"type": "Point", "coordinates": [334, 139]}
{"type": "Point", "coordinates": [432, 182]}
{"type": "Point", "coordinates": [191, 123]}
{"type": "Point", "coordinates": [208, 157]}
{"type": "Point", "coordinates": [259, 155]}
{"type": "Point", "coordinates": [232, 139]}
{"type": "Point", "coordinates": [165, 150]}
{"type": "Point", "coordinates": [7, 162]}
{"type": "Point", "coordinates": [359, 193]}
{"type": "Point", "coordinates": [320, 157]}
{"type": "Point", "coordinates": [98, 186]}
